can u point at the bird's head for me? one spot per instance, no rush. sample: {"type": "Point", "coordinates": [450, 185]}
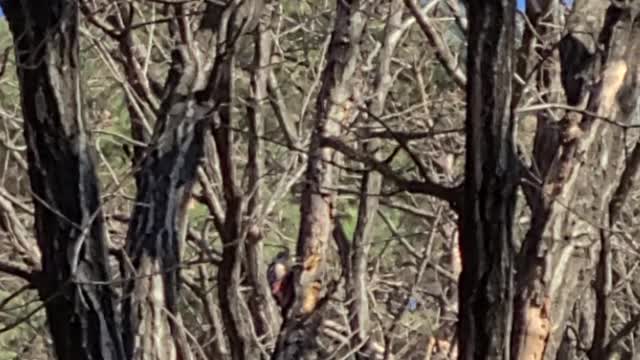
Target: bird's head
{"type": "Point", "coordinates": [279, 267]}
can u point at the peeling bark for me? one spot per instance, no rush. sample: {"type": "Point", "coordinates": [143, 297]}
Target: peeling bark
{"type": "Point", "coordinates": [626, 102]}
{"type": "Point", "coordinates": [585, 146]}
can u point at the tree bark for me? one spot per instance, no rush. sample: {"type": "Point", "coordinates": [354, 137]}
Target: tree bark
{"type": "Point", "coordinates": [74, 283]}
{"type": "Point", "coordinates": [153, 325]}
{"type": "Point", "coordinates": [336, 104]}
{"type": "Point", "coordinates": [154, 238]}
{"type": "Point", "coordinates": [623, 109]}
{"type": "Point", "coordinates": [595, 75]}
{"type": "Point", "coordinates": [491, 171]}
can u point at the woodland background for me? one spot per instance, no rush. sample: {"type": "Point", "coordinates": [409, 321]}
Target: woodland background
{"type": "Point", "coordinates": [457, 179]}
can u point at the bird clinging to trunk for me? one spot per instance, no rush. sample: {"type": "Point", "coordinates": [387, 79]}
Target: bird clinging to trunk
{"type": "Point", "coordinates": [279, 277]}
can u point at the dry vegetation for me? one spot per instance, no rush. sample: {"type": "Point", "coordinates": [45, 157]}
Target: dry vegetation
{"type": "Point", "coordinates": [360, 142]}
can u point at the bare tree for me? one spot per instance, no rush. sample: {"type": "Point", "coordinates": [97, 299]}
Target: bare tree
{"type": "Point", "coordinates": [453, 187]}
{"type": "Point", "coordinates": [335, 106]}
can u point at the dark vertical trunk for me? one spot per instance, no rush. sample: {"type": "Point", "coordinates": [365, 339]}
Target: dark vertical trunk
{"type": "Point", "coordinates": [230, 270]}
{"type": "Point", "coordinates": [486, 282]}
{"type": "Point", "coordinates": [69, 223]}
{"type": "Point", "coordinates": [237, 18]}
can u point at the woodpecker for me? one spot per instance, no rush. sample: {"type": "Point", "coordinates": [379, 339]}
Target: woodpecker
{"type": "Point", "coordinates": [278, 275]}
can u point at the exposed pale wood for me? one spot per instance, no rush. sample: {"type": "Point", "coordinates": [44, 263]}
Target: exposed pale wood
{"type": "Point", "coordinates": [335, 105]}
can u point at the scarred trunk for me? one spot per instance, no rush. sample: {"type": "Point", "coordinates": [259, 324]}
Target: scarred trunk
{"type": "Point", "coordinates": [596, 58]}
{"type": "Point", "coordinates": [335, 105]}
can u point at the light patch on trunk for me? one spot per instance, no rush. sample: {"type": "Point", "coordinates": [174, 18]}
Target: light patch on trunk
{"type": "Point", "coordinates": [456, 256]}
{"type": "Point", "coordinates": [612, 80]}
{"type": "Point", "coordinates": [311, 297]}
{"type": "Point", "coordinates": [153, 334]}
{"type": "Point", "coordinates": [538, 329]}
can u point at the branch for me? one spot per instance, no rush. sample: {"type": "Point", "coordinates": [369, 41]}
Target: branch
{"type": "Point", "coordinates": [5, 59]}
{"type": "Point", "coordinates": [276, 99]}
{"type": "Point", "coordinates": [427, 187]}
{"type": "Point", "coordinates": [443, 53]}
{"type": "Point", "coordinates": [406, 136]}
{"type": "Point", "coordinates": [17, 270]}
{"type": "Point", "coordinates": [603, 288]}
{"type": "Point", "coordinates": [626, 330]}
{"type": "Point", "coordinates": [627, 182]}
{"type": "Point", "coordinates": [591, 114]}
{"type": "Point", "coordinates": [261, 304]}
{"type": "Point", "coordinates": [461, 20]}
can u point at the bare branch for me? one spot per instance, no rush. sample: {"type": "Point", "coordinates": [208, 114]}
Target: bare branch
{"type": "Point", "coordinates": [435, 39]}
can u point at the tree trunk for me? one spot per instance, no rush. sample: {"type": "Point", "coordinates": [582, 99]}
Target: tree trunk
{"type": "Point", "coordinates": [237, 17]}
{"type": "Point", "coordinates": [68, 218]}
{"type": "Point", "coordinates": [596, 58]}
{"type": "Point", "coordinates": [486, 282]}
{"type": "Point", "coordinates": [155, 232]}
{"type": "Point", "coordinates": [335, 106]}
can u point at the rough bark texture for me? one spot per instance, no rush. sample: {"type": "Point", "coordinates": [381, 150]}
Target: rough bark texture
{"type": "Point", "coordinates": [68, 219]}
{"type": "Point", "coordinates": [486, 282]}
{"type": "Point", "coordinates": [565, 208]}
{"type": "Point", "coordinates": [169, 167]}
{"type": "Point", "coordinates": [153, 241]}
{"type": "Point", "coordinates": [623, 108]}
{"type": "Point", "coordinates": [168, 171]}
{"type": "Point", "coordinates": [335, 105]}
